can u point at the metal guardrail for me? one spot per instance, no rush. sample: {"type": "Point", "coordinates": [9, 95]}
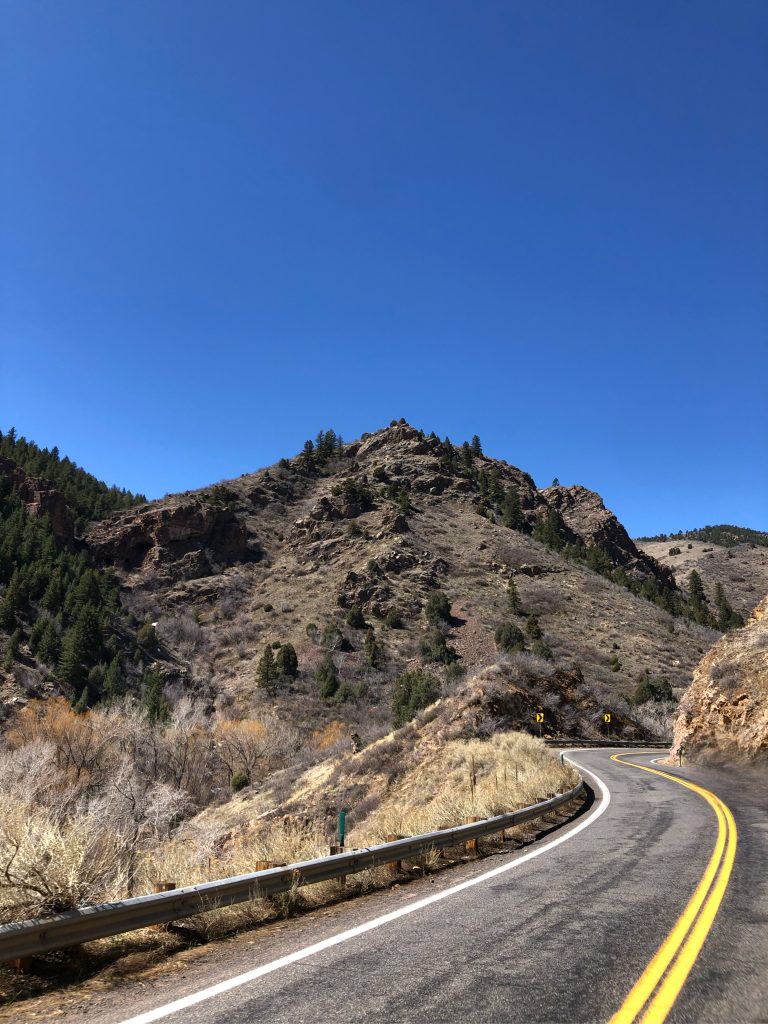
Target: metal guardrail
{"type": "Point", "coordinates": [605, 743]}
{"type": "Point", "coordinates": [29, 938]}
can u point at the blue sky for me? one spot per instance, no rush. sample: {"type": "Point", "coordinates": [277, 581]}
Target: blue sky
{"type": "Point", "coordinates": [227, 225]}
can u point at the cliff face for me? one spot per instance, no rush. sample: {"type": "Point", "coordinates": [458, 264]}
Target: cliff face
{"type": "Point", "coordinates": [584, 513]}
{"type": "Point", "coordinates": [40, 498]}
{"type": "Point", "coordinates": [724, 713]}
{"type": "Point", "coordinates": [171, 541]}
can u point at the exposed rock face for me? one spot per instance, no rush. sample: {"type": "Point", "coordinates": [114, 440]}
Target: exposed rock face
{"type": "Point", "coordinates": [584, 513]}
{"type": "Point", "coordinates": [180, 541]}
{"type": "Point", "coordinates": [41, 498]}
{"type": "Point", "coordinates": [724, 713]}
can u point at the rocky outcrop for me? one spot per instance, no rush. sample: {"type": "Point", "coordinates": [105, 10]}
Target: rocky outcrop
{"type": "Point", "coordinates": [41, 498]}
{"type": "Point", "coordinates": [185, 540]}
{"type": "Point", "coordinates": [724, 713]}
{"type": "Point", "coordinates": [585, 515]}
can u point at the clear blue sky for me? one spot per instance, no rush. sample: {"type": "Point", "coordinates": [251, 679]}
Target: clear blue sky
{"type": "Point", "coordinates": [226, 225]}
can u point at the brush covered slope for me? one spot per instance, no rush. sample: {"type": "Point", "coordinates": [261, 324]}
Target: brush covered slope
{"type": "Point", "coordinates": [723, 716]}
{"type": "Point", "coordinates": [311, 586]}
{"type": "Point", "coordinates": [731, 562]}
{"type": "Point", "coordinates": [464, 755]}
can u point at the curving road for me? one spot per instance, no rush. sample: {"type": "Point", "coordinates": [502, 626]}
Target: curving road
{"type": "Point", "coordinates": [579, 927]}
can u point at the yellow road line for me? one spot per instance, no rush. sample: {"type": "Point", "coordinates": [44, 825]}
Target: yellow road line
{"type": "Point", "coordinates": [684, 942]}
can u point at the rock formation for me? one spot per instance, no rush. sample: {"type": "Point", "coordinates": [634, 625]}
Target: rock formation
{"type": "Point", "coordinates": [724, 713]}
{"type": "Point", "coordinates": [182, 540]}
{"type": "Point", "coordinates": [584, 513]}
{"type": "Point", "coordinates": [41, 498]}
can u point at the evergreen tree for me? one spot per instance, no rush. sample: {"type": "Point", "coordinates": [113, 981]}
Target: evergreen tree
{"type": "Point", "coordinates": [697, 599]}
{"type": "Point", "coordinates": [73, 658]}
{"type": "Point", "coordinates": [49, 649]}
{"type": "Point", "coordinates": [411, 692]}
{"type": "Point", "coordinates": [153, 697]}
{"type": "Point", "coordinates": [549, 529]}
{"type": "Point", "coordinates": [327, 677]}
{"type": "Point", "coordinates": [114, 681]}
{"type": "Point", "coordinates": [287, 663]}
{"type": "Point", "coordinates": [727, 618]}
{"type": "Point", "coordinates": [355, 617]}
{"type": "Point", "coordinates": [438, 608]}
{"type": "Point", "coordinates": [512, 513]}
{"type": "Point", "coordinates": [532, 627]}
{"type": "Point", "coordinates": [435, 647]}
{"type": "Point", "coordinates": [371, 649]}
{"type": "Point", "coordinates": [509, 638]}
{"type": "Point", "coordinates": [307, 457]}
{"type": "Point", "coordinates": [513, 598]}
{"type": "Point", "coordinates": [495, 486]}
{"type": "Point", "coordinates": [265, 670]}
{"type": "Point", "coordinates": [11, 649]}
{"type": "Point", "coordinates": [477, 448]}
{"type": "Point", "coordinates": [10, 605]}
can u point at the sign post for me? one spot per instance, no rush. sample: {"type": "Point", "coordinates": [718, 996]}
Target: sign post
{"type": "Point", "coordinates": [540, 720]}
{"type": "Point", "coordinates": [607, 720]}
{"type": "Point", "coordinates": [342, 827]}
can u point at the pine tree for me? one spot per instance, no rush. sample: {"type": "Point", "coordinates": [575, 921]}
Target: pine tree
{"type": "Point", "coordinates": [477, 448]}
{"type": "Point", "coordinates": [727, 618]}
{"type": "Point", "coordinates": [12, 649]}
{"type": "Point", "coordinates": [411, 692]}
{"type": "Point", "coordinates": [153, 697]}
{"type": "Point", "coordinates": [437, 608]}
{"type": "Point", "coordinates": [308, 456]}
{"type": "Point", "coordinates": [513, 598]}
{"type": "Point", "coordinates": [72, 661]}
{"type": "Point", "coordinates": [287, 663]}
{"type": "Point", "coordinates": [532, 627]}
{"type": "Point", "coordinates": [265, 670]}
{"type": "Point", "coordinates": [355, 617]}
{"type": "Point", "coordinates": [327, 677]}
{"type": "Point", "coordinates": [49, 648]}
{"type": "Point", "coordinates": [509, 638]}
{"type": "Point", "coordinates": [371, 649]}
{"type": "Point", "coordinates": [495, 488]}
{"type": "Point", "coordinates": [697, 599]}
{"type": "Point", "coordinates": [10, 605]}
{"type": "Point", "coordinates": [114, 680]}
{"type": "Point", "coordinates": [512, 513]}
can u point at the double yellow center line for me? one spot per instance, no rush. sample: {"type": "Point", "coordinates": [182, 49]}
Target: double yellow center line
{"type": "Point", "coordinates": [659, 985]}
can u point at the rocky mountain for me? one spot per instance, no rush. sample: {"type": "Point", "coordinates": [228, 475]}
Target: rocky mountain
{"type": "Point", "coordinates": [337, 552]}
{"type": "Point", "coordinates": [724, 714]}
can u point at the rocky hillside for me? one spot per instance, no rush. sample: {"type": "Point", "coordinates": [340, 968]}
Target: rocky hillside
{"type": "Point", "coordinates": [739, 566]}
{"type": "Point", "coordinates": [337, 552]}
{"type": "Point", "coordinates": [724, 714]}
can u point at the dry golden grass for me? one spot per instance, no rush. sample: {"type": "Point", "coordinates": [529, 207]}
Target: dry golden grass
{"type": "Point", "coordinates": [449, 784]}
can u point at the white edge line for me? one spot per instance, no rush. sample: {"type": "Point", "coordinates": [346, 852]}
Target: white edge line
{"type": "Point", "coordinates": [284, 961]}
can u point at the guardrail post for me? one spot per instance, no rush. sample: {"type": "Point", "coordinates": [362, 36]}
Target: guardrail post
{"type": "Point", "coordinates": [335, 851]}
{"type": "Point", "coordinates": [162, 887]}
{"type": "Point", "coordinates": [471, 844]}
{"type": "Point", "coordinates": [394, 867]}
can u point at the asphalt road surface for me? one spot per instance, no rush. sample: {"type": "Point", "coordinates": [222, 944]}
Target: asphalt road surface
{"type": "Point", "coordinates": [583, 926]}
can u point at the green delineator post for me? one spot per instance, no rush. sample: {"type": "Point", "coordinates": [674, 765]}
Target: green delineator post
{"type": "Point", "coordinates": [342, 827]}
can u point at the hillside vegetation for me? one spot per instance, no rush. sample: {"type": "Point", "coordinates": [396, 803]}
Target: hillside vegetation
{"type": "Point", "coordinates": [355, 581]}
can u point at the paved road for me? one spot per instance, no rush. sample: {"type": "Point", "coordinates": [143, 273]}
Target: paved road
{"type": "Point", "coordinates": [561, 936]}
